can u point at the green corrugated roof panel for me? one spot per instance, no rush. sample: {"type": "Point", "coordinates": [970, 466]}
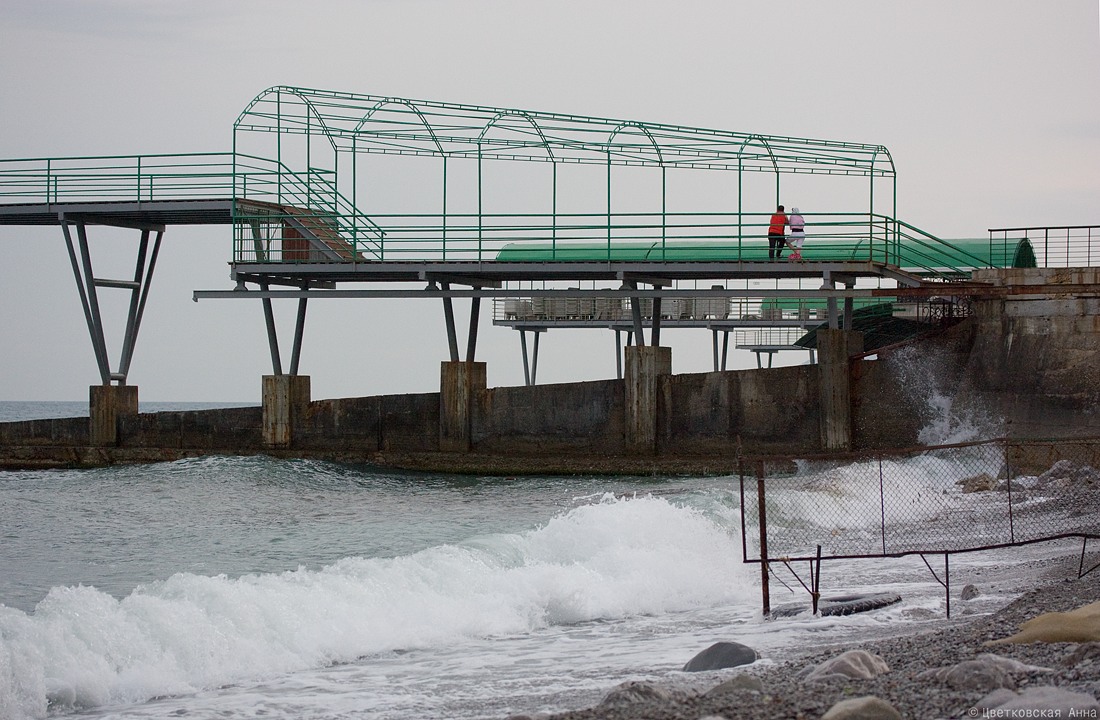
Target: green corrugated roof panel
{"type": "Point", "coordinates": [945, 256]}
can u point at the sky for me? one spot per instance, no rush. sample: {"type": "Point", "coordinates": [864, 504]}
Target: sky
{"type": "Point", "coordinates": [990, 109]}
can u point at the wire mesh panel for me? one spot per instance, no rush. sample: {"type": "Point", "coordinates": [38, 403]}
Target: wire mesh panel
{"type": "Point", "coordinates": [934, 500]}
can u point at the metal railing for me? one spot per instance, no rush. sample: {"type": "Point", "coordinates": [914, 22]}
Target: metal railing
{"type": "Point", "coordinates": [263, 233]}
{"type": "Point", "coordinates": [923, 501]}
{"type": "Point", "coordinates": [481, 237]}
{"type": "Point", "coordinates": [133, 178]}
{"type": "Point", "coordinates": [1053, 246]}
{"type": "Point", "coordinates": [593, 307]}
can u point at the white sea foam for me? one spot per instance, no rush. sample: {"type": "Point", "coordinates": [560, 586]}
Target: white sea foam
{"type": "Point", "coordinates": [614, 558]}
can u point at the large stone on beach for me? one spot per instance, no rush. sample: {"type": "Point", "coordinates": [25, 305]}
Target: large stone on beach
{"type": "Point", "coordinates": [868, 707]}
{"type": "Point", "coordinates": [632, 692]}
{"type": "Point", "coordinates": [1069, 474]}
{"type": "Point", "coordinates": [721, 655]}
{"type": "Point", "coordinates": [977, 483]}
{"type": "Point", "coordinates": [741, 683]}
{"type": "Point", "coordinates": [1084, 653]}
{"type": "Point", "coordinates": [851, 665]}
{"type": "Point", "coordinates": [985, 672]}
{"type": "Point", "coordinates": [1053, 701]}
{"type": "Point", "coordinates": [1080, 625]}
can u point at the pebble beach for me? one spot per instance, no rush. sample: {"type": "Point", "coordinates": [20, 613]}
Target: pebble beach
{"type": "Point", "coordinates": [1034, 679]}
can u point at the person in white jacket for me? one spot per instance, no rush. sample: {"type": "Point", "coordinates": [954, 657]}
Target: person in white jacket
{"type": "Point", "coordinates": [797, 236]}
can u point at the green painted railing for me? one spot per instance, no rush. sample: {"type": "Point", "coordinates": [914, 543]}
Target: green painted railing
{"type": "Point", "coordinates": [122, 178]}
{"type": "Point", "coordinates": [199, 176]}
{"type": "Point", "coordinates": [270, 196]}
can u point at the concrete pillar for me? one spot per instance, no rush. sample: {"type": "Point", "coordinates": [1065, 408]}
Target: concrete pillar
{"type": "Point", "coordinates": [460, 383]}
{"type": "Point", "coordinates": [285, 401]}
{"type": "Point", "coordinates": [106, 403]}
{"type": "Point", "coordinates": [834, 347]}
{"type": "Point", "coordinates": [644, 364]}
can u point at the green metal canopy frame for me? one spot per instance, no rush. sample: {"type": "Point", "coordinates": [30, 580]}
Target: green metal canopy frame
{"type": "Point", "coordinates": [337, 127]}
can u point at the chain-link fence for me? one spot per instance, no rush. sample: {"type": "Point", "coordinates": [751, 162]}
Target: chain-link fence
{"type": "Point", "coordinates": [932, 500]}
{"type": "Point", "coordinates": [923, 501]}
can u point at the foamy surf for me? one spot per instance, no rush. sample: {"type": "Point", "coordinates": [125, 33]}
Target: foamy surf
{"type": "Point", "coordinates": [614, 558]}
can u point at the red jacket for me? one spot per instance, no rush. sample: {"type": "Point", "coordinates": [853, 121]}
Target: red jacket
{"type": "Point", "coordinates": [777, 223]}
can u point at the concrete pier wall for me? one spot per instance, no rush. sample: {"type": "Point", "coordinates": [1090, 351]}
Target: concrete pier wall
{"type": "Point", "coordinates": [763, 411]}
{"type": "Point", "coordinates": [1031, 362]}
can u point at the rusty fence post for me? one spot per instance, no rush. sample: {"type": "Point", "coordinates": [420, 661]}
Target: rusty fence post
{"type": "Point", "coordinates": [763, 520]}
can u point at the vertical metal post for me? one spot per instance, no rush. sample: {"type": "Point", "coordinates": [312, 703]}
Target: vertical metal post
{"type": "Point", "coordinates": [725, 346]}
{"type": "Point", "coordinates": [882, 506]}
{"type": "Point", "coordinates": [815, 582]}
{"type": "Point", "coordinates": [947, 580]}
{"type": "Point", "coordinates": [763, 522]}
{"type": "Point", "coordinates": [554, 208]}
{"type": "Point", "coordinates": [609, 203]}
{"type": "Point", "coordinates": [278, 143]}
{"type": "Point", "coordinates": [740, 213]}
{"type": "Point", "coordinates": [714, 346]}
{"type": "Point", "coordinates": [664, 215]}
{"type": "Point", "coordinates": [480, 230]}
{"type": "Point", "coordinates": [443, 224]}
{"type": "Point", "coordinates": [1008, 472]}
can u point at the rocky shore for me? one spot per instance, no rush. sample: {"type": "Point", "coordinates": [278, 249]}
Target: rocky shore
{"type": "Point", "coordinates": [950, 672]}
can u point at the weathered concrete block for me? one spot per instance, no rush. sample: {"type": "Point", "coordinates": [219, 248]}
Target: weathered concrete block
{"type": "Point", "coordinates": [106, 403]}
{"type": "Point", "coordinates": [834, 347]}
{"type": "Point", "coordinates": [460, 385]}
{"type": "Point", "coordinates": [644, 365]}
{"type": "Point", "coordinates": [285, 400]}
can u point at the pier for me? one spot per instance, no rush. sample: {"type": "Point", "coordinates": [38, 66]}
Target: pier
{"type": "Point", "coordinates": [562, 221]}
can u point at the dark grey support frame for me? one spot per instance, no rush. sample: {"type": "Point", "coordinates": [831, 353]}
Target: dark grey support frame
{"type": "Point", "coordinates": [88, 285]}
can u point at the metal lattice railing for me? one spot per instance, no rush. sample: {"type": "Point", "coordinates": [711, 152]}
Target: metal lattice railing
{"type": "Point", "coordinates": [1054, 246]}
{"type": "Point", "coordinates": [936, 500]}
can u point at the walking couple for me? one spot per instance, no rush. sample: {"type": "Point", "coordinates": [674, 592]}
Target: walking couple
{"type": "Point", "coordinates": [776, 234]}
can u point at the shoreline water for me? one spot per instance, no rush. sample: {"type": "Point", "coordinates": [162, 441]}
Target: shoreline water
{"type": "Point", "coordinates": [1071, 667]}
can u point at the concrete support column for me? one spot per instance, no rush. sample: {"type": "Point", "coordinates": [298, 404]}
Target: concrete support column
{"type": "Point", "coordinates": [460, 384]}
{"type": "Point", "coordinates": [644, 365]}
{"type": "Point", "coordinates": [834, 347]}
{"type": "Point", "coordinates": [285, 402]}
{"type": "Point", "coordinates": [106, 403]}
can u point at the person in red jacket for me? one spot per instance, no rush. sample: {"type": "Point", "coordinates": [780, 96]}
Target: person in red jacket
{"type": "Point", "coordinates": [775, 234]}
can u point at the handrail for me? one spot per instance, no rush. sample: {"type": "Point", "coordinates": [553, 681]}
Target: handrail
{"type": "Point", "coordinates": [654, 236]}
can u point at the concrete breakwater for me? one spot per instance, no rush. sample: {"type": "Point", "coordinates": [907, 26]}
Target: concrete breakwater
{"type": "Point", "coordinates": [1029, 361]}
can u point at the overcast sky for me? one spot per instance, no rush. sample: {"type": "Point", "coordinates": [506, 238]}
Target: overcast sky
{"type": "Point", "coordinates": [991, 111]}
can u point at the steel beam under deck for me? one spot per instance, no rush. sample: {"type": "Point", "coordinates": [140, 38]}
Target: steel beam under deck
{"type": "Point", "coordinates": [130, 214]}
{"type": "Point", "coordinates": [492, 274]}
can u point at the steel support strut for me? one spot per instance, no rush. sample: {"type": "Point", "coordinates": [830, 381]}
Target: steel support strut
{"type": "Point", "coordinates": [452, 330]}
{"type": "Point", "coordinates": [273, 335]}
{"type": "Point", "coordinates": [87, 285]}
{"type": "Point", "coordinates": [530, 366]}
{"type": "Point", "coordinates": [449, 317]}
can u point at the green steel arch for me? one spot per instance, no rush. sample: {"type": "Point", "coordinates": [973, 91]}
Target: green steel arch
{"type": "Point", "coordinates": [354, 124]}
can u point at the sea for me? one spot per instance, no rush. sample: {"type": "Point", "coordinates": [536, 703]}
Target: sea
{"type": "Point", "coordinates": [249, 587]}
